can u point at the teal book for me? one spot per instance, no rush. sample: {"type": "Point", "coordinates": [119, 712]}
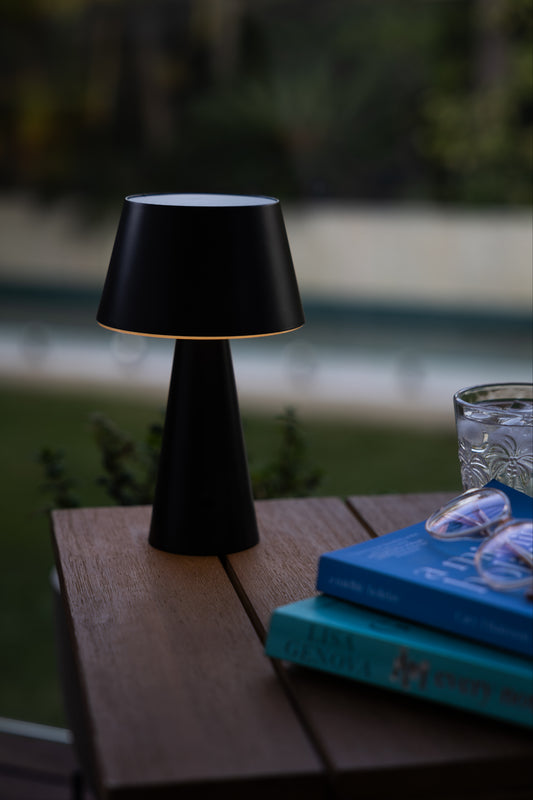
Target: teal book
{"type": "Point", "coordinates": [410, 574]}
{"type": "Point", "coordinates": [345, 639]}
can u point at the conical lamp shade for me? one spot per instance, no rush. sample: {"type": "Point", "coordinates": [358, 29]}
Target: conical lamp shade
{"type": "Point", "coordinates": [201, 266]}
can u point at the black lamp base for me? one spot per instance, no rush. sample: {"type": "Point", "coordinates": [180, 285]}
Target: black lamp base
{"type": "Point", "coordinates": [203, 502]}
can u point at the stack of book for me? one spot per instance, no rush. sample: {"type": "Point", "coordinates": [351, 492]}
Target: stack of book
{"type": "Point", "coordinates": [410, 613]}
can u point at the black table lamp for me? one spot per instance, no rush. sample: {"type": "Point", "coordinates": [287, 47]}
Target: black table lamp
{"type": "Point", "coordinates": [201, 269]}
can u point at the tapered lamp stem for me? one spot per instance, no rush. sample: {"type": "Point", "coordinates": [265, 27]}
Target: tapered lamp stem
{"type": "Point", "coordinates": [203, 501]}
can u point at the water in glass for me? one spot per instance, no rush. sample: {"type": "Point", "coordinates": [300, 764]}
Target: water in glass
{"type": "Point", "coordinates": [496, 443]}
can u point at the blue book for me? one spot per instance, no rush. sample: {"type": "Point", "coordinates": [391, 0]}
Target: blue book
{"type": "Point", "coordinates": [344, 639]}
{"type": "Point", "coordinates": [416, 577]}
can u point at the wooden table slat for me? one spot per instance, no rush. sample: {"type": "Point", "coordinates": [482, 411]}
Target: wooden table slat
{"type": "Point", "coordinates": [387, 513]}
{"type": "Point", "coordinates": [178, 688]}
{"type": "Point", "coordinates": [294, 533]}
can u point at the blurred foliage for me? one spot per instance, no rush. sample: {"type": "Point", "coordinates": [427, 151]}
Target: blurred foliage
{"type": "Point", "coordinates": [130, 465]}
{"type": "Point", "coordinates": [479, 129]}
{"type": "Point", "coordinates": [290, 473]}
{"type": "Point", "coordinates": [57, 482]}
{"type": "Point", "coordinates": [297, 98]}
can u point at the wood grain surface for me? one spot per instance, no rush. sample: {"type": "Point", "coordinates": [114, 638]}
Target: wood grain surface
{"type": "Point", "coordinates": [387, 513]}
{"type": "Point", "coordinates": [293, 534]}
{"type": "Point", "coordinates": [179, 693]}
{"type": "Point", "coordinates": [178, 689]}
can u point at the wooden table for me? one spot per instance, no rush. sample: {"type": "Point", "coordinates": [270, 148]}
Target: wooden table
{"type": "Point", "coordinates": [175, 691]}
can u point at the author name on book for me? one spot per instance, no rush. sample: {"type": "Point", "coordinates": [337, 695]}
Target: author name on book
{"type": "Point", "coordinates": [341, 652]}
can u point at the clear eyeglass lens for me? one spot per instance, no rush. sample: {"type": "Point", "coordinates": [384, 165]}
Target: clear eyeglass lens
{"type": "Point", "coordinates": [506, 560]}
{"type": "Point", "coordinates": [474, 512]}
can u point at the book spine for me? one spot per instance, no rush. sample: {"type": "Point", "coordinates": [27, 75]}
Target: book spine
{"type": "Point", "coordinates": [409, 670]}
{"type": "Point", "coordinates": [430, 606]}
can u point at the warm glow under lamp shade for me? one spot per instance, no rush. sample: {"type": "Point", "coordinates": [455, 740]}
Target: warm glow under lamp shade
{"type": "Point", "coordinates": [201, 266]}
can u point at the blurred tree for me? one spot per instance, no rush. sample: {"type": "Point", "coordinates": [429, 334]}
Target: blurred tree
{"type": "Point", "coordinates": [480, 123]}
{"type": "Point", "coordinates": [300, 98]}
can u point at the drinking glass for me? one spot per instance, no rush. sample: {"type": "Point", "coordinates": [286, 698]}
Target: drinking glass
{"type": "Point", "coordinates": [495, 435]}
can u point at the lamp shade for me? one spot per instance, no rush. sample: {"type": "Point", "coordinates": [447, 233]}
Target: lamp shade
{"type": "Point", "coordinates": [201, 266]}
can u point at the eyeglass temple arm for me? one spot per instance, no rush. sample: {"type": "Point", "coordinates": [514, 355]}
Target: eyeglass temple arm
{"type": "Point", "coordinates": [521, 552]}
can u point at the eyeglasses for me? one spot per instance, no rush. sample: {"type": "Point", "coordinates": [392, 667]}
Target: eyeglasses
{"type": "Point", "coordinates": [505, 558]}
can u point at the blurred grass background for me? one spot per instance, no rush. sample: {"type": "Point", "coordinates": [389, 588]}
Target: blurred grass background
{"type": "Point", "coordinates": [355, 458]}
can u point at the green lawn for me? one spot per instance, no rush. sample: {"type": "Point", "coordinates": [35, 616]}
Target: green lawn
{"type": "Point", "coordinates": [354, 459]}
